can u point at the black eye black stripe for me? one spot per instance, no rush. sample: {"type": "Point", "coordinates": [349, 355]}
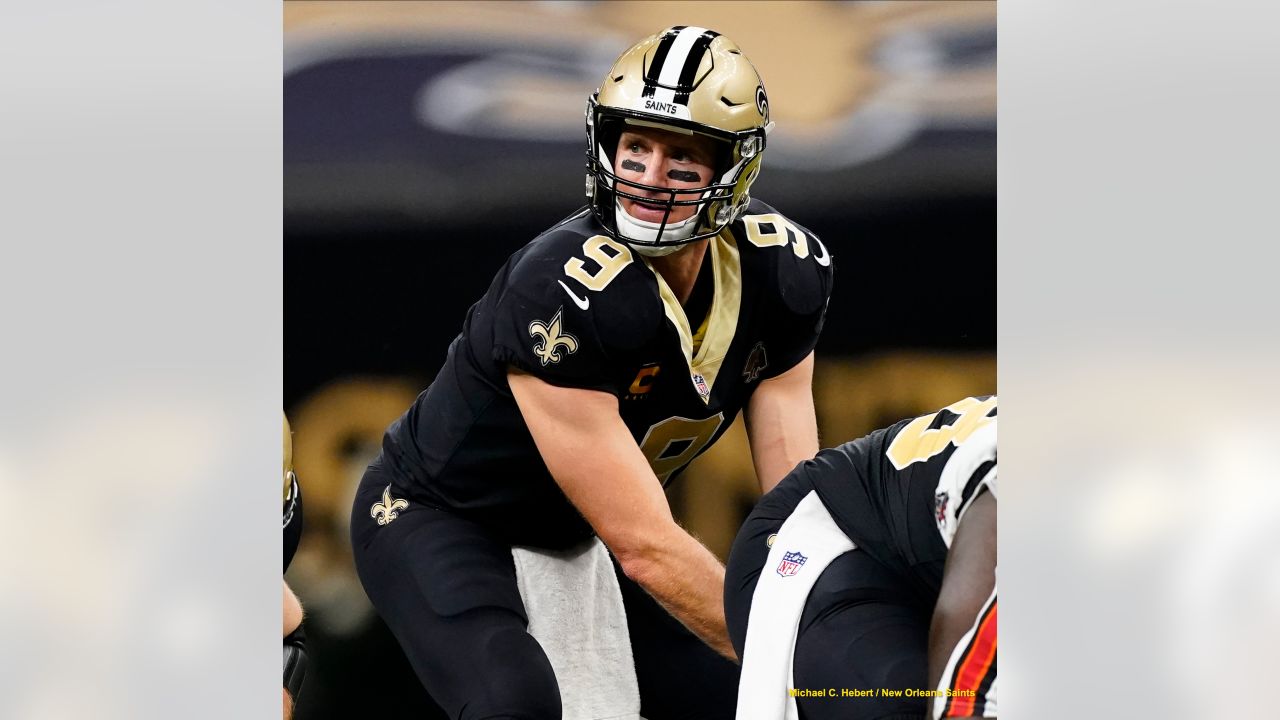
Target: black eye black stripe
{"type": "Point", "coordinates": [690, 70]}
{"type": "Point", "coordinates": [659, 57]}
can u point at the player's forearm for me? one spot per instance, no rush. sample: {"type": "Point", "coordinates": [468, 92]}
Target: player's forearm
{"type": "Point", "coordinates": [595, 461]}
{"type": "Point", "coordinates": [686, 579]}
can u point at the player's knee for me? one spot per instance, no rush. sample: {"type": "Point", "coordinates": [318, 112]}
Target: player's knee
{"type": "Point", "coordinates": [521, 684]}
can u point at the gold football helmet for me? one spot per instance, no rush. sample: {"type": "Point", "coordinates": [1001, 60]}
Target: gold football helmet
{"type": "Point", "coordinates": [689, 80]}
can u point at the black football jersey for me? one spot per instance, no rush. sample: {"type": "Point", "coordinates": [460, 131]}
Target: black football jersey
{"type": "Point", "coordinates": [578, 309]}
{"type": "Point", "coordinates": [897, 492]}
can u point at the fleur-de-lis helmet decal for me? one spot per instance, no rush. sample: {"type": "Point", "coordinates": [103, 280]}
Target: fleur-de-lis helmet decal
{"type": "Point", "coordinates": [389, 509]}
{"type": "Point", "coordinates": [551, 339]}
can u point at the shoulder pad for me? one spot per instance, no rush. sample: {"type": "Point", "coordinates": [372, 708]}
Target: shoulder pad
{"type": "Point", "coordinates": [797, 260]}
{"type": "Point", "coordinates": [572, 302]}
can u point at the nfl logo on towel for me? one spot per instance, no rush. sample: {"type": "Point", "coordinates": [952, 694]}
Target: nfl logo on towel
{"type": "Point", "coordinates": [790, 564]}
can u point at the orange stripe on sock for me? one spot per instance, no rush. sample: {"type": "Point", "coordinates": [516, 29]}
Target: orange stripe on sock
{"type": "Point", "coordinates": [974, 666]}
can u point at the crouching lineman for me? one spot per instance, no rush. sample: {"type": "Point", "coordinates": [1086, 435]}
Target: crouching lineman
{"type": "Point", "coordinates": [295, 649]}
{"type": "Point", "coordinates": [863, 586]}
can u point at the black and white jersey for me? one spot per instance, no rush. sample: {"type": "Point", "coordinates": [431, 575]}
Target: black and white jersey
{"type": "Point", "coordinates": [578, 309]}
{"type": "Point", "coordinates": [835, 574]}
{"type": "Point", "coordinates": [899, 492]}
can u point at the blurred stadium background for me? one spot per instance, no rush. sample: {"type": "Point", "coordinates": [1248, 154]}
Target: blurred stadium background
{"type": "Point", "coordinates": [425, 142]}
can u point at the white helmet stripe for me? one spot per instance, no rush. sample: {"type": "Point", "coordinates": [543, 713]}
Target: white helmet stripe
{"type": "Point", "coordinates": [675, 64]}
{"type": "Point", "coordinates": [685, 42]}
{"type": "Point", "coordinates": [689, 73]}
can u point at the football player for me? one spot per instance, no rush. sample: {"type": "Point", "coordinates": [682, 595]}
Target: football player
{"type": "Point", "coordinates": [863, 586]}
{"type": "Point", "coordinates": [606, 355]}
{"type": "Point", "coordinates": [295, 649]}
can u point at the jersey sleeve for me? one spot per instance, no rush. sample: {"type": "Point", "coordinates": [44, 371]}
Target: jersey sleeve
{"type": "Point", "coordinates": [799, 310]}
{"type": "Point", "coordinates": [540, 326]}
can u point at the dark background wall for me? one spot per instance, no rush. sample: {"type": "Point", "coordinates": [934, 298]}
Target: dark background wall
{"type": "Point", "coordinates": [387, 300]}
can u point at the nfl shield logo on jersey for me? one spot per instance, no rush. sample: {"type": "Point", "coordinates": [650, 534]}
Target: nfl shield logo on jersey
{"type": "Point", "coordinates": [791, 563]}
{"type": "Point", "coordinates": [700, 384]}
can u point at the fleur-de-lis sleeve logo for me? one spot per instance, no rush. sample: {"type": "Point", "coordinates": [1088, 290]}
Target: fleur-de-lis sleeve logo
{"type": "Point", "coordinates": [389, 509]}
{"type": "Point", "coordinates": [551, 339]}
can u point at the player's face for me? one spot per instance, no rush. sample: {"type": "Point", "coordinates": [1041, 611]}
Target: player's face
{"type": "Point", "coordinates": [663, 159]}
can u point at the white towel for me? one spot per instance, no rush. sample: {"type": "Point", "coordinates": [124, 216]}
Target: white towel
{"type": "Point", "coordinates": [576, 614]}
{"type": "Point", "coordinates": [805, 545]}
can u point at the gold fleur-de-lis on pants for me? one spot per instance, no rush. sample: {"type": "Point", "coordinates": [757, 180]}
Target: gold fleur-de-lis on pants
{"type": "Point", "coordinates": [551, 339]}
{"type": "Point", "coordinates": [387, 510]}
